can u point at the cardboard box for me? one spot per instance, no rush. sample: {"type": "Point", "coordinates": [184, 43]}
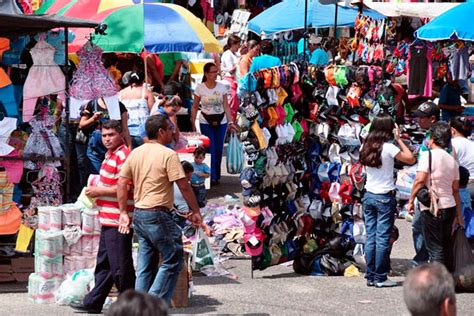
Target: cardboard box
{"type": "Point", "coordinates": [23, 265]}
{"type": "Point", "coordinates": [21, 276]}
{"type": "Point", "coordinates": [6, 277]}
{"type": "Point", "coordinates": [6, 268]}
{"type": "Point", "coordinates": [180, 297]}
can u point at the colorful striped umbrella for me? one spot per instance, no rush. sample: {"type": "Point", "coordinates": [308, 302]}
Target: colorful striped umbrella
{"type": "Point", "coordinates": [81, 7]}
{"type": "Point", "coordinates": [155, 27]}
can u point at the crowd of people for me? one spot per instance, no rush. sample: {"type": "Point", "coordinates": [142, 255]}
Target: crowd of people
{"type": "Point", "coordinates": [141, 172]}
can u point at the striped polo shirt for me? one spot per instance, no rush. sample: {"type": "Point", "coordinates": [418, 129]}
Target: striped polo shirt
{"type": "Point", "coordinates": [109, 212]}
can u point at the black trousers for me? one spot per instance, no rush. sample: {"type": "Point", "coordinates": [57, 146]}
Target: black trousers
{"type": "Point", "coordinates": [437, 235]}
{"type": "Point", "coordinates": [114, 266]}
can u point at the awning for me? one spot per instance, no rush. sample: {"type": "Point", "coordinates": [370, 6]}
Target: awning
{"type": "Point", "coordinates": [420, 10]}
{"type": "Point", "coordinates": [14, 23]}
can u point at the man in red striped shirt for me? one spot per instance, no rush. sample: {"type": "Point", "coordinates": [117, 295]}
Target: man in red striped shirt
{"type": "Point", "coordinates": [114, 258]}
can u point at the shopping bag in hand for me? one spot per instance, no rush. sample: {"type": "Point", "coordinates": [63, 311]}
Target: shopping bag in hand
{"type": "Point", "coordinates": [235, 161]}
{"type": "Point", "coordinates": [202, 251]}
{"type": "Point", "coordinates": [463, 263]}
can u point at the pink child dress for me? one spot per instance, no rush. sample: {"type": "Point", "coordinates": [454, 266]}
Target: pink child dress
{"type": "Point", "coordinates": [44, 78]}
{"type": "Point", "coordinates": [91, 80]}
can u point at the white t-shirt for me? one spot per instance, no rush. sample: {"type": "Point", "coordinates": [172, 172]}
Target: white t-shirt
{"type": "Point", "coordinates": [228, 61]}
{"type": "Point", "coordinates": [464, 151]}
{"type": "Point", "coordinates": [380, 180]}
{"type": "Point", "coordinates": [212, 100]}
{"type": "Point", "coordinates": [444, 171]}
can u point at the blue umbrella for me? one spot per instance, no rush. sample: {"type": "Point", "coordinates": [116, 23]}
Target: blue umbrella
{"type": "Point", "coordinates": [457, 23]}
{"type": "Point", "coordinates": [289, 15]}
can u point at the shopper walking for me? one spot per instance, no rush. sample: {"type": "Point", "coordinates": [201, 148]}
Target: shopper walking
{"type": "Point", "coordinates": [438, 171]}
{"type": "Point", "coordinates": [114, 258]}
{"type": "Point", "coordinates": [138, 100]}
{"type": "Point", "coordinates": [214, 118]}
{"type": "Point", "coordinates": [153, 168]}
{"type": "Point", "coordinates": [427, 113]}
{"type": "Point", "coordinates": [229, 65]}
{"type": "Point", "coordinates": [378, 155]}
{"type": "Point", "coordinates": [463, 148]}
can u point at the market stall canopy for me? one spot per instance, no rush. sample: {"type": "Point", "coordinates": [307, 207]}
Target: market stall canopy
{"type": "Point", "coordinates": [455, 24]}
{"type": "Point", "coordinates": [133, 27]}
{"type": "Point", "coordinates": [14, 23]}
{"type": "Point", "coordinates": [421, 10]}
{"type": "Point", "coordinates": [289, 15]}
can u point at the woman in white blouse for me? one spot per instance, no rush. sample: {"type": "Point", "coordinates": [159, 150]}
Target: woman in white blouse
{"type": "Point", "coordinates": [229, 64]}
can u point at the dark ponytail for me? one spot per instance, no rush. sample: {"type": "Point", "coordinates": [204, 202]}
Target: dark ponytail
{"type": "Point", "coordinates": [462, 125]}
{"type": "Point", "coordinates": [136, 78]}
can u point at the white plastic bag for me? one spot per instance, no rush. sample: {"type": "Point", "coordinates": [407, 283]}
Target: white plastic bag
{"type": "Point", "coordinates": [235, 161]}
{"type": "Point", "coordinates": [75, 287]}
{"type": "Point", "coordinates": [202, 251]}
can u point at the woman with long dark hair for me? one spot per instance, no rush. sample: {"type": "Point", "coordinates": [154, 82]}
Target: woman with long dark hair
{"type": "Point", "coordinates": [229, 64]}
{"type": "Point", "coordinates": [378, 155]}
{"type": "Point", "coordinates": [214, 118]}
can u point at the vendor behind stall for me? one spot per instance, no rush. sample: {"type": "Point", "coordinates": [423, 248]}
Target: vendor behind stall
{"type": "Point", "coordinates": [450, 99]}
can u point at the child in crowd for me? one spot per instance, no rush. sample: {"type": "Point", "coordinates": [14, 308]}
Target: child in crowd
{"type": "Point", "coordinates": [201, 172]}
{"type": "Point", "coordinates": [181, 208]}
{"type": "Point", "coordinates": [466, 204]}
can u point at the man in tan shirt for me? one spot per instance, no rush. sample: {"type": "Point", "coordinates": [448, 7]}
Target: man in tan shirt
{"type": "Point", "coordinates": [153, 168]}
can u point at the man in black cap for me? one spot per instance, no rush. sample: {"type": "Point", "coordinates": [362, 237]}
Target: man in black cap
{"type": "Point", "coordinates": [427, 113]}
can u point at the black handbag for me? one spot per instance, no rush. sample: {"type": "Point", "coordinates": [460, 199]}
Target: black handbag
{"type": "Point", "coordinates": [213, 119]}
{"type": "Point", "coordinates": [423, 195]}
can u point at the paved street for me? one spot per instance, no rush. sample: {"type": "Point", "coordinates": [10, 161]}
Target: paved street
{"type": "Point", "coordinates": [275, 291]}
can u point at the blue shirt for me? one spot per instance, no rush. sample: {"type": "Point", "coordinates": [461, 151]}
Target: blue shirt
{"type": "Point", "coordinates": [449, 95]}
{"type": "Point", "coordinates": [202, 168]}
{"type": "Point", "coordinates": [319, 57]}
{"type": "Point", "coordinates": [264, 61]}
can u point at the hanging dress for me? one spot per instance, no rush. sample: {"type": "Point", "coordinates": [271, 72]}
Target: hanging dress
{"type": "Point", "coordinates": [91, 80]}
{"type": "Point", "coordinates": [42, 142]}
{"type": "Point", "coordinates": [44, 78]}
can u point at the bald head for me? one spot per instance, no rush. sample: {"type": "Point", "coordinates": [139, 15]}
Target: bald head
{"type": "Point", "coordinates": [428, 290]}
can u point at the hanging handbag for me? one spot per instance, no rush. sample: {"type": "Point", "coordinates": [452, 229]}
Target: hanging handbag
{"type": "Point", "coordinates": [429, 197]}
{"type": "Point", "coordinates": [423, 195]}
{"type": "Point", "coordinates": [81, 138]}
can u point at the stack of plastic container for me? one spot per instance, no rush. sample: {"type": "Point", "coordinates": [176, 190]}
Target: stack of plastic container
{"type": "Point", "coordinates": [48, 256]}
{"type": "Point", "coordinates": [82, 255]}
{"type": "Point", "coordinates": [55, 258]}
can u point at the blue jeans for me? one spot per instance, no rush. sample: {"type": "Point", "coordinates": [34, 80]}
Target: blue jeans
{"type": "Point", "coordinates": [421, 255]}
{"type": "Point", "coordinates": [95, 152]}
{"type": "Point", "coordinates": [158, 236]}
{"type": "Point", "coordinates": [216, 149]}
{"type": "Point", "coordinates": [379, 216]}
{"type": "Point", "coordinates": [200, 193]}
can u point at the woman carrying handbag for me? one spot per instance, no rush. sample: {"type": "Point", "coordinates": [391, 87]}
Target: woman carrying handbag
{"type": "Point", "coordinates": [437, 180]}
